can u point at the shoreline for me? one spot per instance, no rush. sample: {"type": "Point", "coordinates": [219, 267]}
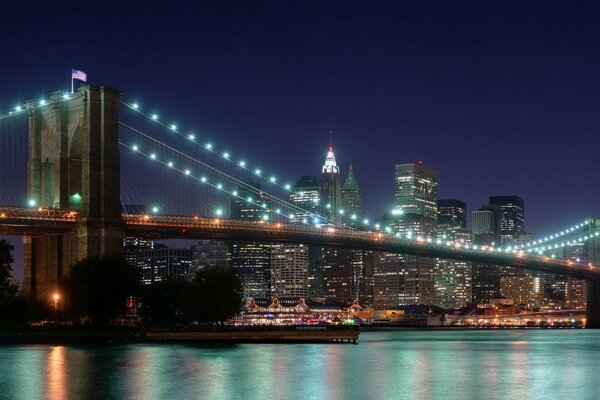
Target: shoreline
{"type": "Point", "coordinates": [127, 335]}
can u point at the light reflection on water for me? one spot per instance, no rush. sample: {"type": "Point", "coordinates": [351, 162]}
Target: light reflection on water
{"type": "Point", "coordinates": [406, 364]}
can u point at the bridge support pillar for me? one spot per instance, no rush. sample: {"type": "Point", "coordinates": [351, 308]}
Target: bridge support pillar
{"type": "Point", "coordinates": [593, 305]}
{"type": "Point", "coordinates": [73, 164]}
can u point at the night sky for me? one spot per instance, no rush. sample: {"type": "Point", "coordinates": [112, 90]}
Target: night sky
{"type": "Point", "coordinates": [501, 98]}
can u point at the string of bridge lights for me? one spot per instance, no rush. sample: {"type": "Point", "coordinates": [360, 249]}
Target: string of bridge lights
{"type": "Point", "coordinates": [219, 212]}
{"type": "Point", "coordinates": [556, 235]}
{"type": "Point", "coordinates": [316, 218]}
{"type": "Point", "coordinates": [242, 164]}
{"type": "Point", "coordinates": [225, 155]}
{"type": "Point", "coordinates": [18, 109]}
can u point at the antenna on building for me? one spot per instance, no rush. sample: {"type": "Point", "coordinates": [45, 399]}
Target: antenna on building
{"type": "Point", "coordinates": [331, 140]}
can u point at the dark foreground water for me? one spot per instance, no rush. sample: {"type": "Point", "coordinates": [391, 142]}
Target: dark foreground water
{"type": "Point", "coordinates": [407, 364]}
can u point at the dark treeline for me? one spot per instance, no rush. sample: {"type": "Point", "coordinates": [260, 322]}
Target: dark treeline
{"type": "Point", "coordinates": [96, 290]}
{"type": "Point", "coordinates": [15, 308]}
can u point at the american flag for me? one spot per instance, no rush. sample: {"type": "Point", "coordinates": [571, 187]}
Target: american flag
{"type": "Point", "coordinates": [80, 75]}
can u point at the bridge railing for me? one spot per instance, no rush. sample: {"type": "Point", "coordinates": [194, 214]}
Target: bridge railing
{"type": "Point", "coordinates": [378, 238]}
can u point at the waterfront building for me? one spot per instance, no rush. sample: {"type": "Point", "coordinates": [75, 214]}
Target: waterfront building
{"type": "Point", "coordinates": [522, 289]}
{"type": "Point", "coordinates": [289, 270]}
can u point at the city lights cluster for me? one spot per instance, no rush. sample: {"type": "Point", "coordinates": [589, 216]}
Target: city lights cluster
{"type": "Point", "coordinates": [225, 155]}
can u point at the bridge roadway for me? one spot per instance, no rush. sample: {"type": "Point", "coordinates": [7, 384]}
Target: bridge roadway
{"type": "Point", "coordinates": [19, 221]}
{"type": "Point", "coordinates": [163, 227]}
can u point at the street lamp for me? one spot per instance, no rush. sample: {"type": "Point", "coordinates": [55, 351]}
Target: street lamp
{"type": "Point", "coordinates": [56, 297]}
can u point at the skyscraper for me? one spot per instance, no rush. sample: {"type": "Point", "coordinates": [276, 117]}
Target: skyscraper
{"type": "Point", "coordinates": [289, 270]}
{"type": "Point", "coordinates": [306, 195]}
{"type": "Point", "coordinates": [362, 286]}
{"type": "Point", "coordinates": [351, 200]}
{"type": "Point", "coordinates": [160, 262]}
{"type": "Point", "coordinates": [452, 212]}
{"type": "Point", "coordinates": [251, 260]}
{"type": "Point", "coordinates": [452, 279]}
{"type": "Point", "coordinates": [331, 191]}
{"type": "Point", "coordinates": [511, 216]}
{"type": "Point", "coordinates": [416, 189]}
{"type": "Point", "coordinates": [401, 279]}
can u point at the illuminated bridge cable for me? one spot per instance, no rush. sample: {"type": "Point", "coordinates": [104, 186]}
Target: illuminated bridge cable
{"type": "Point", "coordinates": [218, 172]}
{"type": "Point", "coordinates": [200, 179]}
{"type": "Point", "coordinates": [209, 147]}
{"type": "Point", "coordinates": [187, 172]}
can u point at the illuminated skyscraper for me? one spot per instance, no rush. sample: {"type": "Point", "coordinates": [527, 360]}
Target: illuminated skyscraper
{"type": "Point", "coordinates": [351, 200]}
{"type": "Point", "coordinates": [289, 270]}
{"type": "Point", "coordinates": [160, 262]}
{"type": "Point", "coordinates": [416, 189]}
{"type": "Point", "coordinates": [403, 279]}
{"type": "Point", "coordinates": [511, 216]}
{"type": "Point", "coordinates": [452, 212]}
{"type": "Point", "coordinates": [331, 191]}
{"type": "Point", "coordinates": [251, 260]}
{"type": "Point", "coordinates": [452, 279]}
{"type": "Point", "coordinates": [306, 194]}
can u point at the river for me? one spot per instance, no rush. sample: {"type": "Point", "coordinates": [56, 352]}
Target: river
{"type": "Point", "coordinates": [395, 364]}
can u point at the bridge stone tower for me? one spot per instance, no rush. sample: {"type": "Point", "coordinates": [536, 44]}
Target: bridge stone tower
{"type": "Point", "coordinates": [73, 164]}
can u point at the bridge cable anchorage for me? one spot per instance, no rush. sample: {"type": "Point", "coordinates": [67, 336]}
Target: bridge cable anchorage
{"type": "Point", "coordinates": [224, 175]}
{"type": "Point", "coordinates": [208, 146]}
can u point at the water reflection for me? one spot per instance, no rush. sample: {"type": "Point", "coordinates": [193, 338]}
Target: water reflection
{"type": "Point", "coordinates": [56, 373]}
{"type": "Point", "coordinates": [385, 365]}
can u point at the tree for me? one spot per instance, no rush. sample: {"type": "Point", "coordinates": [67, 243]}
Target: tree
{"type": "Point", "coordinates": [161, 302]}
{"type": "Point", "coordinates": [8, 289]}
{"type": "Point", "coordinates": [98, 287]}
{"type": "Point", "coordinates": [213, 295]}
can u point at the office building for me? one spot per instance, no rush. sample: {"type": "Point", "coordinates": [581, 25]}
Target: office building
{"type": "Point", "coordinates": [161, 262]}
{"type": "Point", "coordinates": [416, 189]}
{"type": "Point", "coordinates": [289, 270]}
{"type": "Point", "coordinates": [251, 260]}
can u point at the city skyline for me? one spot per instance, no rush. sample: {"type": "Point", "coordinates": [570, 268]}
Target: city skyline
{"type": "Point", "coordinates": [423, 100]}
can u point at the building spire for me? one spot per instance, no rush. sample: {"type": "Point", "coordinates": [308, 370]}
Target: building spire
{"type": "Point", "coordinates": [350, 182]}
{"type": "Point", "coordinates": [330, 165]}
